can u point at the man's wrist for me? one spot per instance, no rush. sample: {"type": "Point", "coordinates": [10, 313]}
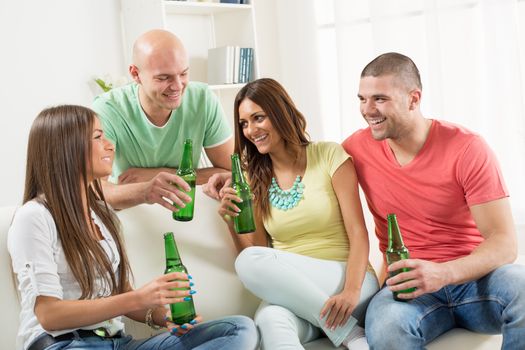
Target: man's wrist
{"type": "Point", "coordinates": [168, 170]}
{"type": "Point", "coordinates": [144, 192]}
{"type": "Point", "coordinates": [449, 273]}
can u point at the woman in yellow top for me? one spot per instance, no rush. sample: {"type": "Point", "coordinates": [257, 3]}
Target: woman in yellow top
{"type": "Point", "coordinates": [317, 276]}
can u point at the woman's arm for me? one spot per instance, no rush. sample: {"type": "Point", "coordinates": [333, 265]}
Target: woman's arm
{"type": "Point", "coordinates": [341, 306]}
{"type": "Point", "coordinates": [161, 316]}
{"type": "Point", "coordinates": [158, 314]}
{"type": "Point", "coordinates": [55, 314]}
{"type": "Point", "coordinates": [228, 210]}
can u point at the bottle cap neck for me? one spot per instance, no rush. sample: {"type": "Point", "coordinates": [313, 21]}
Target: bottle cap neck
{"type": "Point", "coordinates": [237, 175]}
{"type": "Point", "coordinates": [170, 248]}
{"type": "Point", "coordinates": [187, 155]}
{"type": "Point", "coordinates": [395, 240]}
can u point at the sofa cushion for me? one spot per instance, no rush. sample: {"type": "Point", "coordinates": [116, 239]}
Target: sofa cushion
{"type": "Point", "coordinates": [208, 253]}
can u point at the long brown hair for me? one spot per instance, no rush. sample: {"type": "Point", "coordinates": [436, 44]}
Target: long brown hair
{"type": "Point", "coordinates": [287, 120]}
{"type": "Point", "coordinates": [58, 153]}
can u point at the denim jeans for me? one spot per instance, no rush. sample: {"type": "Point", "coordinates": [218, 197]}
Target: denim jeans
{"type": "Point", "coordinates": [235, 332]}
{"type": "Point", "coordinates": [295, 288]}
{"type": "Point", "coordinates": [493, 304]}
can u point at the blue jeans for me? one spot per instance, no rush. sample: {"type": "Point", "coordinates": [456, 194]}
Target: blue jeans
{"type": "Point", "coordinates": [234, 332]}
{"type": "Point", "coordinates": [493, 304]}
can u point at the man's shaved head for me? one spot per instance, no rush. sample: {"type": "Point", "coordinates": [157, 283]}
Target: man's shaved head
{"type": "Point", "coordinates": [153, 43]}
{"type": "Point", "coordinates": [397, 65]}
{"type": "Point", "coordinates": [161, 68]}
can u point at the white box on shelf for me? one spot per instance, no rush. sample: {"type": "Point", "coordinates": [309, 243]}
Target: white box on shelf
{"type": "Point", "coordinates": [220, 65]}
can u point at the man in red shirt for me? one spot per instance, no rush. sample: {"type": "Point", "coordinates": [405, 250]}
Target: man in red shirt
{"type": "Point", "coordinates": [445, 185]}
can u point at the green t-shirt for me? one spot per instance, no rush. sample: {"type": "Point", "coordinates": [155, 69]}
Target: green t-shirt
{"type": "Point", "coordinates": [140, 144]}
{"type": "Point", "coordinates": [315, 227]}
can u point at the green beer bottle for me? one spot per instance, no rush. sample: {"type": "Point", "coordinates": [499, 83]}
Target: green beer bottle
{"type": "Point", "coordinates": [396, 251]}
{"type": "Point", "coordinates": [182, 312]}
{"type": "Point", "coordinates": [189, 175]}
{"type": "Point", "coordinates": [243, 223]}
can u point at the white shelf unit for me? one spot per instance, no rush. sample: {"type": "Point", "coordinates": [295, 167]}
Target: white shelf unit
{"type": "Point", "coordinates": [200, 26]}
{"type": "Point", "coordinates": [202, 8]}
{"type": "Point", "coordinates": [219, 87]}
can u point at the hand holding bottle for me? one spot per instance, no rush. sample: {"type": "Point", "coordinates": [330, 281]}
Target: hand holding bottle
{"type": "Point", "coordinates": [395, 252]}
{"type": "Point", "coordinates": [163, 290]}
{"type": "Point", "coordinates": [165, 189]}
{"type": "Point", "coordinates": [188, 174]}
{"type": "Point", "coordinates": [216, 185]}
{"type": "Point", "coordinates": [245, 221]}
{"type": "Point", "coordinates": [182, 311]}
{"type": "Point", "coordinates": [424, 276]}
{"type": "Point", "coordinates": [179, 330]}
{"type": "Point", "coordinates": [228, 207]}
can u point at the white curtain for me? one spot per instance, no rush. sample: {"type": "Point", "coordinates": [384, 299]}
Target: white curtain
{"type": "Point", "coordinates": [471, 54]}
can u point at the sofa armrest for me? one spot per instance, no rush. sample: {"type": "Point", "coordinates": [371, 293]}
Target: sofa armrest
{"type": "Point", "coordinates": [9, 300]}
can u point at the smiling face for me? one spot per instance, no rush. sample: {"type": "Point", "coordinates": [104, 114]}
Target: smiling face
{"type": "Point", "coordinates": [163, 81]}
{"type": "Point", "coordinates": [102, 152]}
{"type": "Point", "coordinates": [161, 68]}
{"type": "Point", "coordinates": [386, 105]}
{"type": "Point", "coordinates": [258, 129]}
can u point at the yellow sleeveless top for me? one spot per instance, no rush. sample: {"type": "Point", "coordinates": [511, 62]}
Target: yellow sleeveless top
{"type": "Point", "coordinates": [315, 226]}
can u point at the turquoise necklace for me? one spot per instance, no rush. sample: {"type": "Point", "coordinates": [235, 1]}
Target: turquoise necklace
{"type": "Point", "coordinates": [286, 199]}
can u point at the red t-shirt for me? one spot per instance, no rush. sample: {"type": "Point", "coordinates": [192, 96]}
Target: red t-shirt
{"type": "Point", "coordinates": [431, 195]}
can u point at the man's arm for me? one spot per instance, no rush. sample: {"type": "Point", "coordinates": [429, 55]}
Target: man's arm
{"type": "Point", "coordinates": [220, 158]}
{"type": "Point", "coordinates": [494, 221]}
{"type": "Point", "coordinates": [163, 189]}
{"type": "Point", "coordinates": [218, 155]}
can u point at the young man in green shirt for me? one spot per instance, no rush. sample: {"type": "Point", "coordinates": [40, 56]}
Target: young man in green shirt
{"type": "Point", "coordinates": [149, 120]}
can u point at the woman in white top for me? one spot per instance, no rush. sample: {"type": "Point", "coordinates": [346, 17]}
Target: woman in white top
{"type": "Point", "coordinates": [70, 260]}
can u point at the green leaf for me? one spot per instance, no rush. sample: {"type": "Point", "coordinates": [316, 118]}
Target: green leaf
{"type": "Point", "coordinates": [105, 87]}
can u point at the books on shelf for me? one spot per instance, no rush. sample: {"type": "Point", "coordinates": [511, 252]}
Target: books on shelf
{"type": "Point", "coordinates": [230, 65]}
{"type": "Point", "coordinates": [242, 2]}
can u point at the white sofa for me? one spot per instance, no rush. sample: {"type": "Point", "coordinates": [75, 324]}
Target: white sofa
{"type": "Point", "coordinates": [208, 254]}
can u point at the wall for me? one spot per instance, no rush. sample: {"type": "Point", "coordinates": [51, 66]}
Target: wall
{"type": "Point", "coordinates": [297, 53]}
{"type": "Point", "coordinates": [50, 52]}
{"type": "Point", "coordinates": [52, 49]}
{"type": "Point", "coordinates": [267, 38]}
{"type": "Point", "coordinates": [304, 72]}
